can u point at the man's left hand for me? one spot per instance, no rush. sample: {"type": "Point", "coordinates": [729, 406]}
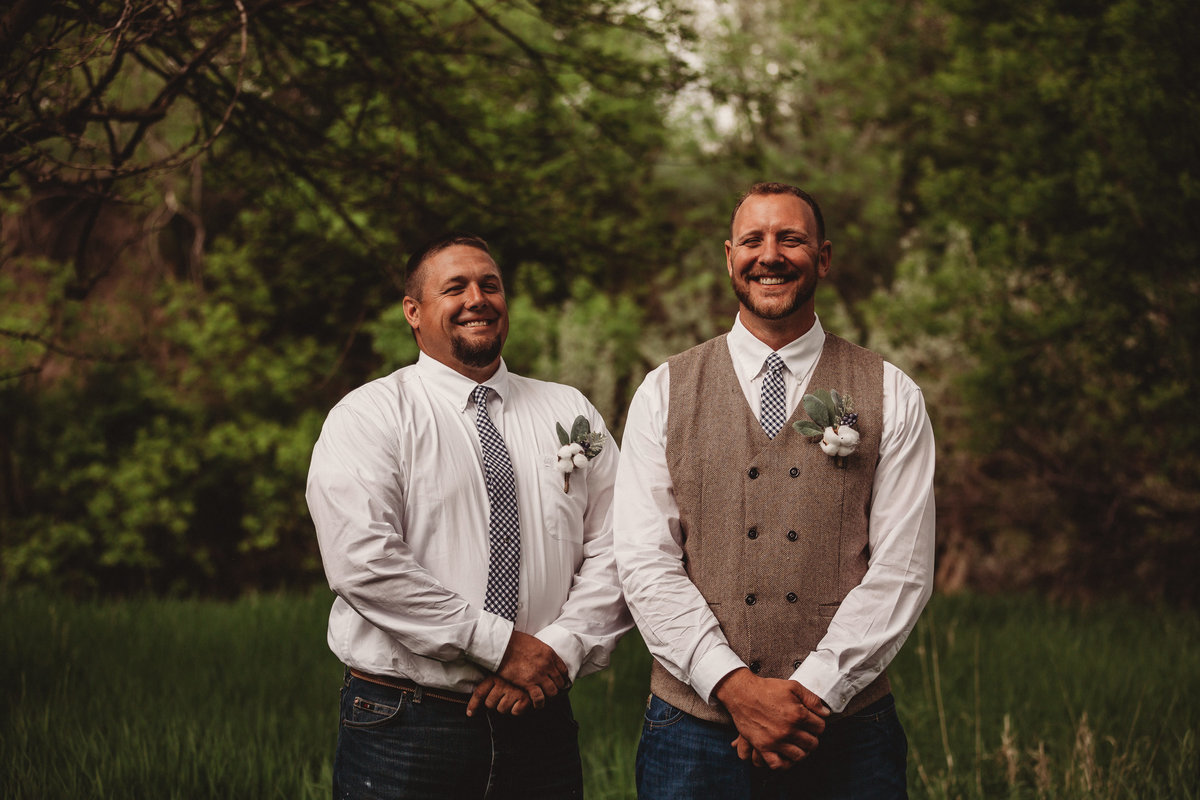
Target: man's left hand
{"type": "Point", "coordinates": [534, 666]}
{"type": "Point", "coordinates": [499, 695]}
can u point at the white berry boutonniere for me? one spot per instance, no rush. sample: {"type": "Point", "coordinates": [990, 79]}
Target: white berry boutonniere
{"type": "Point", "coordinates": [578, 448]}
{"type": "Point", "coordinates": [833, 419]}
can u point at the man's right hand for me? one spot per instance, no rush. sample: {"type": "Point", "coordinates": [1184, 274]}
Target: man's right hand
{"type": "Point", "coordinates": [779, 721]}
{"type": "Point", "coordinates": [534, 666]}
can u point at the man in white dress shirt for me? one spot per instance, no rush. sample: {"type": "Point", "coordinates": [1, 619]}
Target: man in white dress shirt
{"type": "Point", "coordinates": [772, 575]}
{"type": "Point", "coordinates": [464, 609]}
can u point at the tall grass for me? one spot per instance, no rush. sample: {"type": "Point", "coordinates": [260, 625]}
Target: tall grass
{"type": "Point", "coordinates": [1001, 698]}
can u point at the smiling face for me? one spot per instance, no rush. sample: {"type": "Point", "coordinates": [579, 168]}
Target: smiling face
{"type": "Point", "coordinates": [460, 317]}
{"type": "Point", "coordinates": [775, 260]}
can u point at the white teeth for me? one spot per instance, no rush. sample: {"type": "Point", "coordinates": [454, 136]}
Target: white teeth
{"type": "Point", "coordinates": [478, 323]}
{"type": "Point", "coordinates": [772, 281]}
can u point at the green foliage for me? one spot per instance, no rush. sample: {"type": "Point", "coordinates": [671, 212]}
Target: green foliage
{"type": "Point", "coordinates": [1053, 184]}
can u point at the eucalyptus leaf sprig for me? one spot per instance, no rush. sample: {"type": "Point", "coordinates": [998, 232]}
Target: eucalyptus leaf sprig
{"type": "Point", "coordinates": [578, 448]}
{"type": "Point", "coordinates": [833, 419]}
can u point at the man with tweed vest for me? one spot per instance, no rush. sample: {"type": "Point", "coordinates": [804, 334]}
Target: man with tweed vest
{"type": "Point", "coordinates": [775, 549]}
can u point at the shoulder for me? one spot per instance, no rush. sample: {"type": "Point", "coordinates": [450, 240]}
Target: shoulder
{"type": "Point", "coordinates": [850, 349]}
{"type": "Point", "coordinates": [546, 391]}
{"type": "Point", "coordinates": [698, 352]}
{"type": "Point", "coordinates": [378, 401]}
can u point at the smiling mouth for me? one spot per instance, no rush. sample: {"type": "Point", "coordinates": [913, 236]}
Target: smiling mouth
{"type": "Point", "coordinates": [771, 280]}
{"type": "Point", "coordinates": [477, 323]}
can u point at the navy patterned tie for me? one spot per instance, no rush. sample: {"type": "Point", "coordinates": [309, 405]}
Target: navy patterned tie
{"type": "Point", "coordinates": [504, 524]}
{"type": "Point", "coordinates": [773, 410]}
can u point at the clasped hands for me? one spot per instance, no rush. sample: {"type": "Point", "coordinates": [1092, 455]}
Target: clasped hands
{"type": "Point", "coordinates": [779, 722]}
{"type": "Point", "coordinates": [529, 672]}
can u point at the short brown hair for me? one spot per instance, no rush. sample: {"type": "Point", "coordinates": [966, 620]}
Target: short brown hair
{"type": "Point", "coordinates": [412, 269]}
{"type": "Point", "coordinates": [783, 188]}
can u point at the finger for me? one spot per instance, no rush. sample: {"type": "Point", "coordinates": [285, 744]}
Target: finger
{"type": "Point", "coordinates": [496, 696]}
{"type": "Point", "coordinates": [477, 696]}
{"type": "Point", "coordinates": [521, 706]}
{"type": "Point", "coordinates": [549, 687]}
{"type": "Point", "coordinates": [537, 697]}
{"type": "Point", "coordinates": [803, 740]}
{"type": "Point", "coordinates": [562, 675]}
{"type": "Point", "coordinates": [758, 759]}
{"type": "Point", "coordinates": [744, 750]}
{"type": "Point", "coordinates": [506, 703]}
{"type": "Point", "coordinates": [792, 753]}
{"type": "Point", "coordinates": [775, 761]}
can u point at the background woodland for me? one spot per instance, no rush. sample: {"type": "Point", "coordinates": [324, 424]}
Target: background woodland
{"type": "Point", "coordinates": [204, 206]}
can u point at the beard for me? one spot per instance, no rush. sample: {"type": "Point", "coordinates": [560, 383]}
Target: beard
{"type": "Point", "coordinates": [778, 309]}
{"type": "Point", "coordinates": [477, 354]}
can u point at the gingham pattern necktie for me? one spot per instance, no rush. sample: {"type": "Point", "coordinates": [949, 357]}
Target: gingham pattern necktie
{"type": "Point", "coordinates": [773, 411]}
{"type": "Point", "coordinates": [504, 524]}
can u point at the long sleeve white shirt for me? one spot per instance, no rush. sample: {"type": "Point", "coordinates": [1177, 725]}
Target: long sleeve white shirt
{"type": "Point", "coordinates": [875, 617]}
{"type": "Point", "coordinates": [396, 490]}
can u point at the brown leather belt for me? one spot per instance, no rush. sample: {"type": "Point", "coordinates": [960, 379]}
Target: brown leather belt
{"type": "Point", "coordinates": [418, 691]}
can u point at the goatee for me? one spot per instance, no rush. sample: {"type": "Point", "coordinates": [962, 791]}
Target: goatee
{"type": "Point", "coordinates": [476, 354]}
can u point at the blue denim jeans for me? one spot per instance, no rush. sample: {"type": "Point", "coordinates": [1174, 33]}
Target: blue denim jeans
{"type": "Point", "coordinates": [862, 756]}
{"type": "Point", "coordinates": [392, 744]}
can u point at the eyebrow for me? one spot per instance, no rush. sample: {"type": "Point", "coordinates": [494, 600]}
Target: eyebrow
{"type": "Point", "coordinates": [781, 232]}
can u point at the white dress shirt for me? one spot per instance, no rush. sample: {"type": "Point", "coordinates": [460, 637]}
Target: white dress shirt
{"type": "Point", "coordinates": [875, 617]}
{"type": "Point", "coordinates": [396, 489]}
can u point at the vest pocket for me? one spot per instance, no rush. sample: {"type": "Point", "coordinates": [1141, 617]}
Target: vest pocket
{"type": "Point", "coordinates": [827, 610]}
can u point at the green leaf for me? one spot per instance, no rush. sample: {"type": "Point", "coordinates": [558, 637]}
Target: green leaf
{"type": "Point", "coordinates": [825, 397]}
{"type": "Point", "coordinates": [817, 409]}
{"type": "Point", "coordinates": [563, 438]}
{"type": "Point", "coordinates": [839, 405]}
{"type": "Point", "coordinates": [806, 428]}
{"type": "Point", "coordinates": [580, 429]}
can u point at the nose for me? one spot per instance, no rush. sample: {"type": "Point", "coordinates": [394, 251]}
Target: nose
{"type": "Point", "coordinates": [769, 253]}
{"type": "Point", "coordinates": [474, 297]}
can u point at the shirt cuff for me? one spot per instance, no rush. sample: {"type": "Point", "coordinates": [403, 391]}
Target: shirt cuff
{"type": "Point", "coordinates": [566, 645]}
{"type": "Point", "coordinates": [820, 676]}
{"type": "Point", "coordinates": [490, 641]}
{"type": "Point", "coordinates": [711, 668]}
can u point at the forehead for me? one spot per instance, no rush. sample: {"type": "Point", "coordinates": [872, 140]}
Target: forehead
{"type": "Point", "coordinates": [459, 261]}
{"type": "Point", "coordinates": [763, 212]}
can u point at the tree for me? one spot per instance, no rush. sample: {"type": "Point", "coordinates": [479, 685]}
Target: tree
{"type": "Point", "coordinates": [205, 207]}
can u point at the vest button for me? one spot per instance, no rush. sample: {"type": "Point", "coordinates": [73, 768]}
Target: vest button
{"type": "Point", "coordinates": [751, 599]}
{"type": "Point", "coordinates": [791, 597]}
{"type": "Point", "coordinates": [753, 473]}
{"type": "Point", "coordinates": [755, 667]}
{"type": "Point", "coordinates": [796, 664]}
{"type": "Point", "coordinates": [793, 472]}
{"type": "Point", "coordinates": [793, 536]}
{"type": "Point", "coordinates": [752, 533]}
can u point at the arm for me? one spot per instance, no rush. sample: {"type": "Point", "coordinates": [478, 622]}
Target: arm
{"type": "Point", "coordinates": [594, 616]}
{"type": "Point", "coordinates": [673, 617]}
{"type": "Point", "coordinates": [357, 499]}
{"type": "Point", "coordinates": [877, 615]}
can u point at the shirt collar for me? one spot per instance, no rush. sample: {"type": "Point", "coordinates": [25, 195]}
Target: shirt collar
{"type": "Point", "coordinates": [749, 352]}
{"type": "Point", "coordinates": [455, 387]}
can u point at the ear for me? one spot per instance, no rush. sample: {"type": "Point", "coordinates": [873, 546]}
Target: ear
{"type": "Point", "coordinates": [412, 312]}
{"type": "Point", "coordinates": [824, 259]}
{"type": "Point", "coordinates": [728, 260]}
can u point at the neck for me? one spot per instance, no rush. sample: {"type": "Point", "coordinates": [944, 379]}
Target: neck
{"type": "Point", "coordinates": [777, 333]}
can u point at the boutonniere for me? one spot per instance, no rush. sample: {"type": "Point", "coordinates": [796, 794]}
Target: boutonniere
{"type": "Point", "coordinates": [833, 419]}
{"type": "Point", "coordinates": [578, 448]}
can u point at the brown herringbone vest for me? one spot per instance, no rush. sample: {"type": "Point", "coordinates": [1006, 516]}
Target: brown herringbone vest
{"type": "Point", "coordinates": [775, 534]}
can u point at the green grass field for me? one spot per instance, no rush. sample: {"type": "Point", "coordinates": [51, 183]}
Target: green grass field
{"type": "Point", "coordinates": [1001, 698]}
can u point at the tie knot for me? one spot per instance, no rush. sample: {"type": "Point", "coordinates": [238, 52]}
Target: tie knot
{"type": "Point", "coordinates": [480, 395]}
{"type": "Point", "coordinates": [774, 363]}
